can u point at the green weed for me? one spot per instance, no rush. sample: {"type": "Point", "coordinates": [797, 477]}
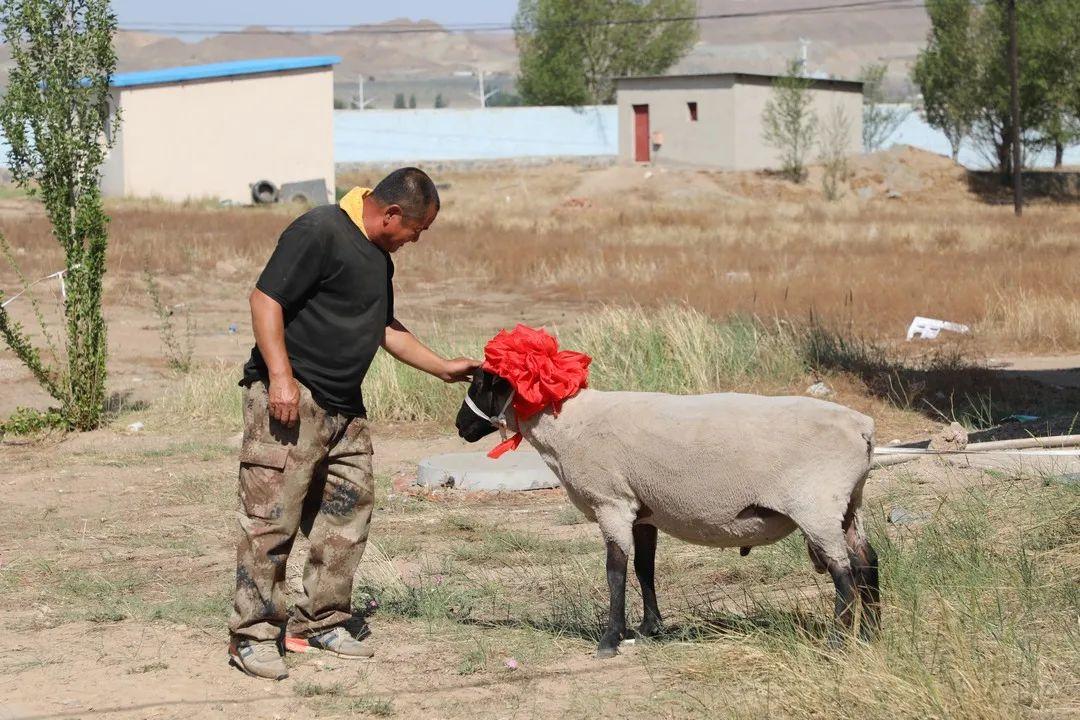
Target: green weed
{"type": "Point", "coordinates": [306, 689]}
{"type": "Point", "coordinates": [178, 351]}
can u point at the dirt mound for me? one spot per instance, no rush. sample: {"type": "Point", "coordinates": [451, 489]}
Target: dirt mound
{"type": "Point", "coordinates": [901, 172]}
{"type": "Point", "coordinates": [906, 172]}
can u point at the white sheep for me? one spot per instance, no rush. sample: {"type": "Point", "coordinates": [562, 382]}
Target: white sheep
{"type": "Point", "coordinates": [724, 470]}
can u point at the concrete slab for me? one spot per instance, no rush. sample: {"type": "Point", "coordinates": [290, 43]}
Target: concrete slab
{"type": "Point", "coordinates": [518, 470]}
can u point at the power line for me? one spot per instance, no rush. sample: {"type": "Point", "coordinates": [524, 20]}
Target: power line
{"type": "Point", "coordinates": [182, 28]}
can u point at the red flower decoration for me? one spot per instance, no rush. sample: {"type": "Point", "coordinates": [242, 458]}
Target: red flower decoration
{"type": "Point", "coordinates": [540, 373]}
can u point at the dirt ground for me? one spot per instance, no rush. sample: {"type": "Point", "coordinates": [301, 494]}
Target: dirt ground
{"type": "Point", "coordinates": [125, 523]}
{"type": "Point", "coordinates": [116, 558]}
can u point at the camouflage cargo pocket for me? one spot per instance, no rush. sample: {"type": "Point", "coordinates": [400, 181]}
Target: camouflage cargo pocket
{"type": "Point", "coordinates": [262, 479]}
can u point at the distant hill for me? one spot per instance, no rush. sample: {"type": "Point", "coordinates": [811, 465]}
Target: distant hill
{"type": "Point", "coordinates": [840, 42]}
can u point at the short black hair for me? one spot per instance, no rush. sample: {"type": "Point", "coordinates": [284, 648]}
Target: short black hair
{"type": "Point", "coordinates": [411, 189]}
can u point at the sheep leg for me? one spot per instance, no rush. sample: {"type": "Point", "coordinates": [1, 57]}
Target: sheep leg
{"type": "Point", "coordinates": [616, 577]}
{"type": "Point", "coordinates": [645, 569]}
{"type": "Point", "coordinates": [864, 565]}
{"type": "Point", "coordinates": [844, 581]}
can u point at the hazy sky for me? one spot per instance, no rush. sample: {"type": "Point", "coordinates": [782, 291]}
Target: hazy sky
{"type": "Point", "coordinates": [285, 12]}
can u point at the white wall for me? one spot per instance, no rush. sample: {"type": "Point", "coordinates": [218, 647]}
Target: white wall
{"type": "Point", "coordinates": [212, 138]}
{"type": "Point", "coordinates": [473, 133]}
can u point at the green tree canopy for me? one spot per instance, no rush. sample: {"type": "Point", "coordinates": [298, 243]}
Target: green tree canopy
{"type": "Point", "coordinates": [571, 51]}
{"type": "Point", "coordinates": [946, 70]}
{"type": "Point", "coordinates": [964, 74]}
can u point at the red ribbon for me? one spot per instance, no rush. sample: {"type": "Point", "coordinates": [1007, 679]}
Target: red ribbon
{"type": "Point", "coordinates": [505, 446]}
{"type": "Point", "coordinates": [540, 373]}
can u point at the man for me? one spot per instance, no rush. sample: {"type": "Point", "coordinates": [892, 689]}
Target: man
{"type": "Point", "coordinates": [321, 309]}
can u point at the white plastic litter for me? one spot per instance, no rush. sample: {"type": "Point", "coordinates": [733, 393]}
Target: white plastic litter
{"type": "Point", "coordinates": [928, 328]}
{"type": "Point", "coordinates": [135, 427]}
{"type": "Point", "coordinates": [59, 275]}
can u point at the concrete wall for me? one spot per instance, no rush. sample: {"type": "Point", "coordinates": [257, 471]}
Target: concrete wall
{"type": "Point", "coordinates": [212, 138]}
{"type": "Point", "coordinates": [728, 133]}
{"type": "Point", "coordinates": [751, 150]}
{"type": "Point", "coordinates": [685, 142]}
{"type": "Point", "coordinates": [473, 134]}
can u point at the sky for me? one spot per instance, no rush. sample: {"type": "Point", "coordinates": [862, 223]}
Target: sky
{"type": "Point", "coordinates": [290, 12]}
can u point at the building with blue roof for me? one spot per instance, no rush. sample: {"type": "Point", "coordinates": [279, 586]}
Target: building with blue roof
{"type": "Point", "coordinates": [212, 131]}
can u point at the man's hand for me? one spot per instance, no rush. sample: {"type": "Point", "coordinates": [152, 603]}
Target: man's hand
{"type": "Point", "coordinates": [459, 369]}
{"type": "Point", "coordinates": [285, 400]}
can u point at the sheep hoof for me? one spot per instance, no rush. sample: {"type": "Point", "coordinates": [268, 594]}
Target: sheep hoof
{"type": "Point", "coordinates": [837, 639]}
{"type": "Point", "coordinates": [649, 630]}
{"type": "Point", "coordinates": [745, 550]}
{"type": "Point", "coordinates": [606, 652]}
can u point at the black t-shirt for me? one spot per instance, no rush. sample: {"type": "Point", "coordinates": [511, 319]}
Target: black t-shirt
{"type": "Point", "coordinates": [336, 289]}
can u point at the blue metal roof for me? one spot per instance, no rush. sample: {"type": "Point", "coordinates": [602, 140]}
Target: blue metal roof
{"type": "Point", "coordinates": [221, 70]}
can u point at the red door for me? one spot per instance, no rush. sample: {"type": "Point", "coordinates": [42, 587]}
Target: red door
{"type": "Point", "coordinates": [641, 133]}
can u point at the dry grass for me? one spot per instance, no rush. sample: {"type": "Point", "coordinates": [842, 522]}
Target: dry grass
{"type": "Point", "coordinates": [979, 623]}
{"type": "Point", "coordinates": [871, 267]}
{"type": "Point", "coordinates": [722, 244]}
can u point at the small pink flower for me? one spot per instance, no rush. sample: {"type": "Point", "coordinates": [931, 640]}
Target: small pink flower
{"type": "Point", "coordinates": [511, 664]}
{"type": "Point", "coordinates": [373, 604]}
{"type": "Point", "coordinates": [438, 579]}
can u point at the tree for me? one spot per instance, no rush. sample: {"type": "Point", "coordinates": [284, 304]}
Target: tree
{"type": "Point", "coordinates": [55, 114]}
{"type": "Point", "coordinates": [440, 102]}
{"type": "Point", "coordinates": [1057, 52]}
{"type": "Point", "coordinates": [571, 51]}
{"type": "Point", "coordinates": [964, 76]}
{"type": "Point", "coordinates": [879, 120]}
{"type": "Point", "coordinates": [834, 146]}
{"type": "Point", "coordinates": [947, 69]}
{"type": "Point", "coordinates": [399, 101]}
{"type": "Point", "coordinates": [412, 102]}
{"type": "Point", "coordinates": [505, 99]}
{"type": "Point", "coordinates": [790, 123]}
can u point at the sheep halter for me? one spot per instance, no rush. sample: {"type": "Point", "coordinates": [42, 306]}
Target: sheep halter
{"type": "Point", "coordinates": [540, 374]}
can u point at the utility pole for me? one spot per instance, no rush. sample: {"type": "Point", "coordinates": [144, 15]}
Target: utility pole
{"type": "Point", "coordinates": [804, 46]}
{"type": "Point", "coordinates": [361, 103]}
{"type": "Point", "coordinates": [1014, 82]}
{"type": "Point", "coordinates": [483, 96]}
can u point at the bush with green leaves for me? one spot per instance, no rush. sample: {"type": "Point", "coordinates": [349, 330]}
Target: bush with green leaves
{"type": "Point", "coordinates": [790, 123]}
{"type": "Point", "coordinates": [880, 120]}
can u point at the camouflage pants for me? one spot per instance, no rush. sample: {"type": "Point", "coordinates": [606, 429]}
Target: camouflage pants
{"type": "Point", "coordinates": [315, 477]}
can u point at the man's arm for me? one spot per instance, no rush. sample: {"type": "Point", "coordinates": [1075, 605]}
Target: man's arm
{"type": "Point", "coordinates": [268, 323]}
{"type": "Point", "coordinates": [404, 346]}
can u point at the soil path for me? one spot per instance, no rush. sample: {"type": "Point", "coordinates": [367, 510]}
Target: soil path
{"type": "Point", "coordinates": [1063, 370]}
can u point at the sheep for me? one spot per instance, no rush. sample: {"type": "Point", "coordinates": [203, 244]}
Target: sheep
{"type": "Point", "coordinates": [722, 470]}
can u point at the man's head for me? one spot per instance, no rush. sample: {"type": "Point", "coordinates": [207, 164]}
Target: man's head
{"type": "Point", "coordinates": [403, 205]}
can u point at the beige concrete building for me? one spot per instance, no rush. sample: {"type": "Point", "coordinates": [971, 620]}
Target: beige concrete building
{"type": "Point", "coordinates": [715, 120]}
{"type": "Point", "coordinates": [210, 131]}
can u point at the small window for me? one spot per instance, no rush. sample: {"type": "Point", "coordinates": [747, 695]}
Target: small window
{"type": "Point", "coordinates": [692, 107]}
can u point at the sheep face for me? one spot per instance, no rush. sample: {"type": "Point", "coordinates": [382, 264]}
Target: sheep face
{"type": "Point", "coordinates": [489, 392]}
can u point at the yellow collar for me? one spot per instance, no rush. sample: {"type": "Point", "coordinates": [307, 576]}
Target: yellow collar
{"type": "Point", "coordinates": [353, 205]}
